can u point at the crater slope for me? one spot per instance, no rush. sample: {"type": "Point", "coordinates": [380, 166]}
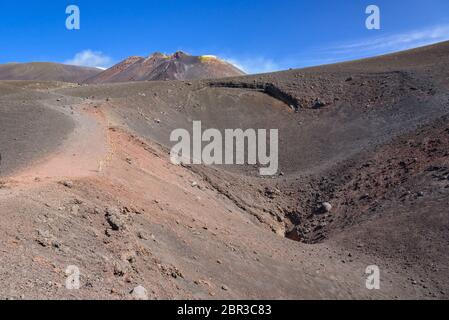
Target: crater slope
{"type": "Point", "coordinates": [369, 138]}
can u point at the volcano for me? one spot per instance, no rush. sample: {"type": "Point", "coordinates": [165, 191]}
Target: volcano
{"type": "Point", "coordinates": [158, 66]}
{"type": "Point", "coordinates": [86, 181]}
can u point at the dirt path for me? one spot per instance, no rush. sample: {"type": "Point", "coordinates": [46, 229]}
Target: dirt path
{"type": "Point", "coordinates": [84, 152]}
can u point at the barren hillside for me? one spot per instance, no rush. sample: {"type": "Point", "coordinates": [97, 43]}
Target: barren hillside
{"type": "Point", "coordinates": [45, 71]}
{"type": "Point", "coordinates": [87, 181]}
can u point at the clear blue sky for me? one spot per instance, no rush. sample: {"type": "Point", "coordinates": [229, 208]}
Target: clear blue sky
{"type": "Point", "coordinates": [259, 35]}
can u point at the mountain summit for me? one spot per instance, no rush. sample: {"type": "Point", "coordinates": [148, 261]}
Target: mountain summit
{"type": "Point", "coordinates": [159, 66]}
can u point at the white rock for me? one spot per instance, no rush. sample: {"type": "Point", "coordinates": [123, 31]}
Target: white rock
{"type": "Point", "coordinates": [139, 293]}
{"type": "Point", "coordinates": [327, 206]}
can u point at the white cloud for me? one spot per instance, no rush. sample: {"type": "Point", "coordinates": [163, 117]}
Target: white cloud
{"type": "Point", "coordinates": [254, 65]}
{"type": "Point", "coordinates": [89, 58]}
{"type": "Point", "coordinates": [393, 42]}
{"type": "Point", "coordinates": [345, 51]}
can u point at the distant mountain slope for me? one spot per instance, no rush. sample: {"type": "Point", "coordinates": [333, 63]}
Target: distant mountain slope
{"type": "Point", "coordinates": [179, 66]}
{"type": "Point", "coordinates": [46, 71]}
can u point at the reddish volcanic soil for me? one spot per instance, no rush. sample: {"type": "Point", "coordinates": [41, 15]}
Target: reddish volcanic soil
{"type": "Point", "coordinates": [86, 180]}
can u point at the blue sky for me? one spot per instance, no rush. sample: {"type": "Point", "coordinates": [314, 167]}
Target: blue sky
{"type": "Point", "coordinates": [258, 35]}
